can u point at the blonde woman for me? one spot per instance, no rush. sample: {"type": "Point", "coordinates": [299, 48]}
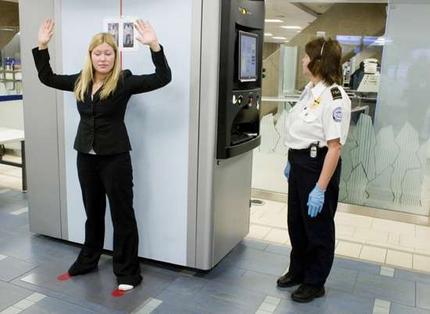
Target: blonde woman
{"type": "Point", "coordinates": [102, 90]}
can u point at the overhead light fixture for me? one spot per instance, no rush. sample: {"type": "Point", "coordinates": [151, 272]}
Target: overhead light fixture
{"type": "Point", "coordinates": [291, 27]}
{"type": "Point", "coordinates": [273, 21]}
{"type": "Point", "coordinates": [268, 34]}
{"type": "Point", "coordinates": [279, 38]}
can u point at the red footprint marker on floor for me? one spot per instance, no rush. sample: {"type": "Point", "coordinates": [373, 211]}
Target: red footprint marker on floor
{"type": "Point", "coordinates": [63, 277]}
{"type": "Point", "coordinates": [118, 293]}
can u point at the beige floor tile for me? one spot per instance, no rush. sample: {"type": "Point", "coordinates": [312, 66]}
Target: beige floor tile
{"type": "Point", "coordinates": [407, 241]}
{"type": "Point", "coordinates": [396, 258]}
{"type": "Point", "coordinates": [348, 249]}
{"type": "Point", "coordinates": [423, 251]}
{"type": "Point", "coordinates": [344, 231]}
{"type": "Point", "coordinates": [366, 235]}
{"type": "Point", "coordinates": [12, 172]}
{"type": "Point", "coordinates": [373, 254]}
{"type": "Point", "coordinates": [258, 232]}
{"type": "Point", "coordinates": [255, 214]}
{"type": "Point", "coordinates": [421, 263]}
{"type": "Point", "coordinates": [275, 219]}
{"type": "Point", "coordinates": [277, 236]}
{"type": "Point", "coordinates": [389, 226]}
{"type": "Point", "coordinates": [353, 220]}
{"type": "Point", "coordinates": [271, 214]}
{"type": "Point", "coordinates": [398, 247]}
{"type": "Point", "coordinates": [423, 245]}
{"type": "Point", "coordinates": [393, 238]}
{"type": "Point", "coordinates": [10, 182]}
{"type": "Point", "coordinates": [274, 205]}
{"type": "Point", "coordinates": [422, 232]}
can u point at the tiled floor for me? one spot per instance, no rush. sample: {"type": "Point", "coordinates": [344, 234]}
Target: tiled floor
{"type": "Point", "coordinates": [386, 242]}
{"type": "Point", "coordinates": [10, 177]}
{"type": "Point", "coordinates": [244, 281]}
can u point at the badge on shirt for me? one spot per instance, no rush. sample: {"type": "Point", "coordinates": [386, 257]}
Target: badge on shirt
{"type": "Point", "coordinates": [316, 102]}
{"type": "Point", "coordinates": [335, 93]}
{"type": "Point", "coordinates": [337, 114]}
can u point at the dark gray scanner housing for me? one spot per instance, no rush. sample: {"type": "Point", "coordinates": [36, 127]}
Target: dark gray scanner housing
{"type": "Point", "coordinates": [241, 49]}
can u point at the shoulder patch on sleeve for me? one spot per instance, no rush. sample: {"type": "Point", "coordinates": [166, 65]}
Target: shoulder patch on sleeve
{"type": "Point", "coordinates": [336, 93]}
{"type": "Point", "coordinates": [337, 114]}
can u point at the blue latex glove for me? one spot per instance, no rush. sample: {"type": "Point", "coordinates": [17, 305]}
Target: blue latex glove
{"type": "Point", "coordinates": [315, 201]}
{"type": "Point", "coordinates": [287, 170]}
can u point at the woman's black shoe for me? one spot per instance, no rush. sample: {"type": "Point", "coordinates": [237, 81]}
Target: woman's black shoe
{"type": "Point", "coordinates": [306, 293]}
{"type": "Point", "coordinates": [288, 281]}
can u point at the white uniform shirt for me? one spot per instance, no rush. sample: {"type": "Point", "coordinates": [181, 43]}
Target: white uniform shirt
{"type": "Point", "coordinates": [322, 113]}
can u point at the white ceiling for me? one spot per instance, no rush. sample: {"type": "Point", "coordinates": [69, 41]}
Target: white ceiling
{"type": "Point", "coordinates": [291, 15]}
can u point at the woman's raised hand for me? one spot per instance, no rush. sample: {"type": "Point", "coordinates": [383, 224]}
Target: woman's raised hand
{"type": "Point", "coordinates": [46, 31]}
{"type": "Point", "coordinates": [146, 35]}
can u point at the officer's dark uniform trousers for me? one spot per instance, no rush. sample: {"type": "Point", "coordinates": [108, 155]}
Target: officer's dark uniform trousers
{"type": "Point", "coordinates": [111, 176]}
{"type": "Point", "coordinates": [312, 239]}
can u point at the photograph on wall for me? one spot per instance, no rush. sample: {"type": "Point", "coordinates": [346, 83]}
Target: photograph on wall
{"type": "Point", "coordinates": [123, 31]}
{"type": "Point", "coordinates": [128, 34]}
{"type": "Point", "coordinates": [112, 26]}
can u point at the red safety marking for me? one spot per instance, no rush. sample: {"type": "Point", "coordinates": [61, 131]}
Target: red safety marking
{"type": "Point", "coordinates": [118, 293]}
{"type": "Point", "coordinates": [63, 277]}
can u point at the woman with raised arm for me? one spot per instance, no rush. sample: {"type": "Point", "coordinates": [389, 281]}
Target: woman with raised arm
{"type": "Point", "coordinates": [102, 90]}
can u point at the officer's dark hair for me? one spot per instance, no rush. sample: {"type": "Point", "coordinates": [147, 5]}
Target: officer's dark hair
{"type": "Point", "coordinates": [325, 61]}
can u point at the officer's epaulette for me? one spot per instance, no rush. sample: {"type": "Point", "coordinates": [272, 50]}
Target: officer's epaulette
{"type": "Point", "coordinates": [335, 93]}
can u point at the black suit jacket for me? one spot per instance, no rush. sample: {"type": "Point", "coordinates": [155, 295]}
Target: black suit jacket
{"type": "Point", "coordinates": [102, 126]}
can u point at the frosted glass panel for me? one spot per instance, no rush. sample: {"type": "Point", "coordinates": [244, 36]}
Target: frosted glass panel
{"type": "Point", "coordinates": [386, 165]}
{"type": "Point", "coordinates": [289, 69]}
{"type": "Point", "coordinates": [386, 159]}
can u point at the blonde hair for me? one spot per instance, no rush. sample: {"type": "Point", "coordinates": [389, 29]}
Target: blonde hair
{"type": "Point", "coordinates": [87, 75]}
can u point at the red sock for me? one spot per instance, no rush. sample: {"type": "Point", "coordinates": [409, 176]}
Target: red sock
{"type": "Point", "coordinates": [118, 293]}
{"type": "Point", "coordinates": [63, 277]}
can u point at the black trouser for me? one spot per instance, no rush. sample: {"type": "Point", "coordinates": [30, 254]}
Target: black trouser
{"type": "Point", "coordinates": [109, 175]}
{"type": "Point", "coordinates": [312, 239]}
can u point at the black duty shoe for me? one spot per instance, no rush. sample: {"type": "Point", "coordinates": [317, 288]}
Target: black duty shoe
{"type": "Point", "coordinates": [288, 281]}
{"type": "Point", "coordinates": [306, 293]}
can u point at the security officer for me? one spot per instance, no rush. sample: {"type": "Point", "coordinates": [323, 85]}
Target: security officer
{"type": "Point", "coordinates": [317, 127]}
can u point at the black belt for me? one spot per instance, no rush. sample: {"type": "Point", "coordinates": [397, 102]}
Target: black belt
{"type": "Point", "coordinates": [312, 149]}
{"type": "Point", "coordinates": [307, 150]}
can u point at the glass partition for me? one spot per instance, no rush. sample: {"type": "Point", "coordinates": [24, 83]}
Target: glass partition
{"type": "Point", "coordinates": [386, 159]}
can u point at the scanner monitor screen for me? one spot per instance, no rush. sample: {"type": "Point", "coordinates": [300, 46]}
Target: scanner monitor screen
{"type": "Point", "coordinates": [248, 57]}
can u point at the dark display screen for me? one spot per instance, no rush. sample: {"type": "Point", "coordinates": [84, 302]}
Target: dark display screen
{"type": "Point", "coordinates": [247, 57]}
